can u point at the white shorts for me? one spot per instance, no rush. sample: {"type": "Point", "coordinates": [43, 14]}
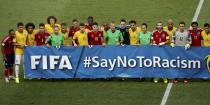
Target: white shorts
{"type": "Point", "coordinates": [18, 59]}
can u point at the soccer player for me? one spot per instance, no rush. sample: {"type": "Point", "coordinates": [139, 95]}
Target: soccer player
{"type": "Point", "coordinates": [195, 33]}
{"type": "Point", "coordinates": [133, 32]}
{"type": "Point", "coordinates": [113, 36]}
{"type": "Point", "coordinates": [124, 30]}
{"type": "Point", "coordinates": [89, 24]}
{"type": "Point", "coordinates": [95, 37]}
{"type": "Point", "coordinates": [19, 41]}
{"type": "Point", "coordinates": [81, 36]}
{"type": "Point", "coordinates": [65, 32]}
{"type": "Point", "coordinates": [51, 22]}
{"type": "Point", "coordinates": [31, 32]}
{"type": "Point", "coordinates": [206, 35]}
{"type": "Point", "coordinates": [74, 28]}
{"type": "Point", "coordinates": [56, 39]}
{"type": "Point", "coordinates": [41, 36]}
{"type": "Point", "coordinates": [170, 29]}
{"type": "Point", "coordinates": [181, 37]}
{"type": "Point", "coordinates": [7, 49]}
{"type": "Point", "coordinates": [144, 37]}
{"type": "Point", "coordinates": [160, 38]}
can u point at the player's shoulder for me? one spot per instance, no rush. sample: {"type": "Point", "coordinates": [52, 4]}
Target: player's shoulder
{"type": "Point", "coordinates": [5, 38]}
{"type": "Point", "coordinates": [154, 32]}
{"type": "Point", "coordinates": [77, 32]}
{"type": "Point", "coordinates": [47, 25]}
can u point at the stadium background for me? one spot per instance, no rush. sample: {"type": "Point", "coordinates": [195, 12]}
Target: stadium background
{"type": "Point", "coordinates": [100, 92]}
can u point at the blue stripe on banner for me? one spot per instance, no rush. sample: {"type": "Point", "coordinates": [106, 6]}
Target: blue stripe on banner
{"type": "Point", "coordinates": [116, 61]}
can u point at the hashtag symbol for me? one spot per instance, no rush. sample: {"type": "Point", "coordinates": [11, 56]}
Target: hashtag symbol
{"type": "Point", "coordinates": [87, 62]}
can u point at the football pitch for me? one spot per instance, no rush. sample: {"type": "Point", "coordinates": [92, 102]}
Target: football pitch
{"type": "Point", "coordinates": [100, 92]}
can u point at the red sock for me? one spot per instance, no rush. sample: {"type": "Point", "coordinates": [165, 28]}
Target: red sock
{"type": "Point", "coordinates": [10, 72]}
{"type": "Point", "coordinates": [6, 72]}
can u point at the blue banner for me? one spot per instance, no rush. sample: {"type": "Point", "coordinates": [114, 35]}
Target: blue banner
{"type": "Point", "coordinates": [44, 62]}
{"type": "Point", "coordinates": [117, 61]}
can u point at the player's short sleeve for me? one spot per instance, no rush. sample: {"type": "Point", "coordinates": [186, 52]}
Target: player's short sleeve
{"type": "Point", "coordinates": [48, 39]}
{"type": "Point", "coordinates": [14, 39]}
{"type": "Point", "coordinates": [75, 36]}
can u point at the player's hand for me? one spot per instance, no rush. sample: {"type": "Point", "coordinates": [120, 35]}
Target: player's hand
{"type": "Point", "coordinates": [103, 44]}
{"type": "Point", "coordinates": [90, 46]}
{"type": "Point", "coordinates": [187, 46]}
{"type": "Point", "coordinates": [58, 47]}
{"type": "Point", "coordinates": [172, 45]}
{"type": "Point", "coordinates": [122, 44]}
{"type": "Point", "coordinates": [48, 45]}
{"type": "Point", "coordinates": [162, 43]}
{"type": "Point", "coordinates": [118, 43]}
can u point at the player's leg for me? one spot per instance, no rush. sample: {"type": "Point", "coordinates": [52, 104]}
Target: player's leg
{"type": "Point", "coordinates": [17, 67]}
{"type": "Point", "coordinates": [165, 80]}
{"type": "Point", "coordinates": [6, 70]}
{"type": "Point", "coordinates": [11, 60]}
{"type": "Point", "coordinates": [156, 80]}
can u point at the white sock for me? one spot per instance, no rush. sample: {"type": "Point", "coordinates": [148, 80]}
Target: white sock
{"type": "Point", "coordinates": [17, 71]}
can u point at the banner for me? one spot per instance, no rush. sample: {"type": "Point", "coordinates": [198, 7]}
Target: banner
{"type": "Point", "coordinates": [44, 62]}
{"type": "Point", "coordinates": [117, 61]}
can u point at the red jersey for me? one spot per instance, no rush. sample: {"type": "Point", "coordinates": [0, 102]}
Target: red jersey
{"type": "Point", "coordinates": [158, 37]}
{"type": "Point", "coordinates": [7, 44]}
{"type": "Point", "coordinates": [40, 38]}
{"type": "Point", "coordinates": [72, 31]}
{"type": "Point", "coordinates": [88, 26]}
{"type": "Point", "coordinates": [95, 38]}
{"type": "Point", "coordinates": [196, 37]}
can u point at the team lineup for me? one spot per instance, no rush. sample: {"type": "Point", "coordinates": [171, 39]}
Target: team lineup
{"type": "Point", "coordinates": [91, 33]}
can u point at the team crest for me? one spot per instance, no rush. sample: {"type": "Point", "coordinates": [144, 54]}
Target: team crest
{"type": "Point", "coordinates": [207, 59]}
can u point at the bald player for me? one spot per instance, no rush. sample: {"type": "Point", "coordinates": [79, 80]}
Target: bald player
{"type": "Point", "coordinates": [113, 36]}
{"type": "Point", "coordinates": [170, 29]}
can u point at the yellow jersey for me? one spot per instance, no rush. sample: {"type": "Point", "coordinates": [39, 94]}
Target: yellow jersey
{"type": "Point", "coordinates": [67, 40]}
{"type": "Point", "coordinates": [82, 38]}
{"type": "Point", "coordinates": [31, 38]}
{"type": "Point", "coordinates": [134, 35]}
{"type": "Point", "coordinates": [50, 29]}
{"type": "Point", "coordinates": [170, 32]}
{"type": "Point", "coordinates": [206, 38]}
{"type": "Point", "coordinates": [20, 38]}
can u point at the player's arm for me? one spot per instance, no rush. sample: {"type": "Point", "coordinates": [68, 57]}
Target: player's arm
{"type": "Point", "coordinates": [173, 40]}
{"type": "Point", "coordinates": [16, 44]}
{"type": "Point", "coordinates": [167, 39]}
{"type": "Point", "coordinates": [138, 38]}
{"type": "Point", "coordinates": [35, 39]}
{"type": "Point", "coordinates": [47, 41]}
{"type": "Point", "coordinates": [121, 38]}
{"type": "Point", "coordinates": [2, 47]}
{"type": "Point", "coordinates": [189, 39]}
{"type": "Point", "coordinates": [153, 40]}
{"type": "Point", "coordinates": [106, 38]}
{"type": "Point", "coordinates": [74, 39]}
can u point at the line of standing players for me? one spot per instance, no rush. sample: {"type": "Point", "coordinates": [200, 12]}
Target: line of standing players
{"type": "Point", "coordinates": [90, 33]}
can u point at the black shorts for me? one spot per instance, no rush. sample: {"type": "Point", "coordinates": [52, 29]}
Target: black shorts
{"type": "Point", "coordinates": [9, 62]}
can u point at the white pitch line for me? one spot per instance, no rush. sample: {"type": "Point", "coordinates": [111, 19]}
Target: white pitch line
{"type": "Point", "coordinates": [169, 86]}
{"type": "Point", "coordinates": [198, 10]}
{"type": "Point", "coordinates": [166, 94]}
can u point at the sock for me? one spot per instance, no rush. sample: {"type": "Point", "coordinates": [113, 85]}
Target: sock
{"type": "Point", "coordinates": [10, 71]}
{"type": "Point", "coordinates": [16, 71]}
{"type": "Point", "coordinates": [6, 73]}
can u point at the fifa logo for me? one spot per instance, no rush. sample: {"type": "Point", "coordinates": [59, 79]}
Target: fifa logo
{"type": "Point", "coordinates": [207, 59]}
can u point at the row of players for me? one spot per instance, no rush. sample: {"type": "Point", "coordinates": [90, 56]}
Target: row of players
{"type": "Point", "coordinates": [53, 34]}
